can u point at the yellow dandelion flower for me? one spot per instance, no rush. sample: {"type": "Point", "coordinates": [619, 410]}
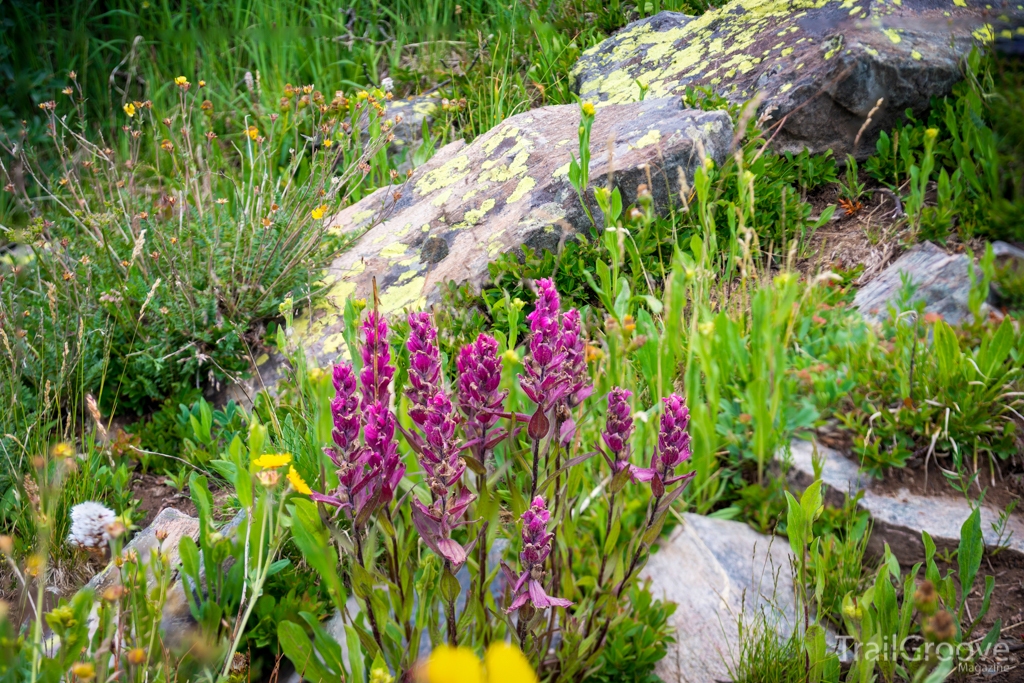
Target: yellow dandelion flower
{"type": "Point", "coordinates": [318, 212]}
{"type": "Point", "coordinates": [295, 479]}
{"type": "Point", "coordinates": [253, 132]}
{"type": "Point", "coordinates": [62, 450]}
{"type": "Point", "coordinates": [129, 109]}
{"type": "Point", "coordinates": [328, 142]}
{"type": "Point", "coordinates": [588, 109]}
{"type": "Point", "coordinates": [181, 81]}
{"type": "Point", "coordinates": [269, 461]}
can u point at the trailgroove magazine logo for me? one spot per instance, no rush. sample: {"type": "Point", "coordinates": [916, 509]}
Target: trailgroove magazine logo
{"type": "Point", "coordinates": [915, 649]}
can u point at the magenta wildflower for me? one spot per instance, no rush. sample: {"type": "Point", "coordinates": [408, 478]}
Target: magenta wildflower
{"type": "Point", "coordinates": [424, 365]}
{"type": "Point", "coordinates": [348, 456]}
{"type": "Point", "coordinates": [436, 522]}
{"type": "Point", "coordinates": [479, 397]}
{"type": "Point", "coordinates": [673, 447]}
{"type": "Point", "coordinates": [377, 369]}
{"type": "Point", "coordinates": [618, 428]}
{"type": "Point", "coordinates": [536, 548]}
{"type": "Point", "coordinates": [556, 370]}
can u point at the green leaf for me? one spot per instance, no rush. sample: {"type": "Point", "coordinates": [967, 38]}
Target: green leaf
{"type": "Point", "coordinates": [299, 649]}
{"type": "Point", "coordinates": [326, 646]}
{"type": "Point", "coordinates": [968, 558]}
{"type": "Point", "coordinates": [355, 654]}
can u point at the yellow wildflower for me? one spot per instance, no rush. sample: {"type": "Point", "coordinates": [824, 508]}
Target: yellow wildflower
{"type": "Point", "coordinates": [202, 84]}
{"type": "Point", "coordinates": [129, 109]}
{"type": "Point", "coordinates": [181, 81]}
{"type": "Point", "coordinates": [253, 132]}
{"type": "Point", "coordinates": [83, 670]}
{"type": "Point", "coordinates": [362, 95]}
{"type": "Point", "coordinates": [62, 450]}
{"type": "Point", "coordinates": [270, 461]}
{"type": "Point", "coordinates": [295, 479]}
{"type": "Point", "coordinates": [328, 142]}
{"type": "Point", "coordinates": [318, 212]}
{"type": "Point", "coordinates": [588, 109]}
{"type": "Point", "coordinates": [503, 663]}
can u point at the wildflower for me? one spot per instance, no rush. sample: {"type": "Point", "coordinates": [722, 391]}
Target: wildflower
{"type": "Point", "coordinates": [940, 627]}
{"type": "Point", "coordinates": [297, 482]}
{"type": "Point", "coordinates": [480, 399]}
{"type": "Point", "coordinates": [270, 461]}
{"type": "Point", "coordinates": [536, 548]}
{"type": "Point", "coordinates": [556, 370]}
{"type": "Point", "coordinates": [83, 670]}
{"type": "Point", "coordinates": [129, 109]}
{"type": "Point", "coordinates": [202, 83]}
{"type": "Point", "coordinates": [89, 522]}
{"type": "Point", "coordinates": [436, 522]}
{"type": "Point", "coordinates": [377, 370]}
{"type": "Point", "coordinates": [926, 598]}
{"type": "Point", "coordinates": [67, 90]}
{"type": "Point", "coordinates": [268, 478]}
{"type": "Point", "coordinates": [318, 212]}
{"type": "Point", "coordinates": [673, 447]}
{"type": "Point", "coordinates": [167, 146]}
{"type": "Point", "coordinates": [181, 82]}
{"type": "Point", "coordinates": [424, 365]}
{"type": "Point", "coordinates": [253, 132]}
{"type": "Point", "coordinates": [327, 142]}
{"type": "Point", "coordinates": [62, 450]}
{"type": "Point", "coordinates": [136, 656]}
{"type": "Point", "coordinates": [587, 108]}
{"type": "Point", "coordinates": [618, 428]}
{"type": "Point", "coordinates": [346, 454]}
{"type": "Point", "coordinates": [387, 84]}
{"type": "Point", "coordinates": [386, 467]}
{"type": "Point", "coordinates": [362, 95]}
{"type": "Point", "coordinates": [503, 663]}
{"type": "Point", "coordinates": [206, 106]}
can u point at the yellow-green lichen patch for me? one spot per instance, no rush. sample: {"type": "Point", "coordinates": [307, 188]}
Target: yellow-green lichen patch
{"type": "Point", "coordinates": [500, 136]}
{"type": "Point", "coordinates": [397, 297]}
{"type": "Point", "coordinates": [474, 216]}
{"type": "Point", "coordinates": [893, 35]}
{"type": "Point", "coordinates": [441, 177]}
{"type": "Point", "coordinates": [393, 250]}
{"type": "Point", "coordinates": [562, 170]}
{"type": "Point", "coordinates": [469, 195]}
{"type": "Point", "coordinates": [442, 197]}
{"type": "Point", "coordinates": [361, 216]}
{"type": "Point", "coordinates": [785, 87]}
{"type": "Point", "coordinates": [916, 55]}
{"type": "Point", "coordinates": [652, 137]}
{"type": "Point", "coordinates": [524, 186]}
{"type": "Point", "coordinates": [425, 108]}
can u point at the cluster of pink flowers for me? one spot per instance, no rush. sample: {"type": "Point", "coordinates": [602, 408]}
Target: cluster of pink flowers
{"type": "Point", "coordinates": [555, 378]}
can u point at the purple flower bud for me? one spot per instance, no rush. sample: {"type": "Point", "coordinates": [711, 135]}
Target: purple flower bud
{"type": "Point", "coordinates": [574, 346]}
{"type": "Point", "coordinates": [618, 427]}
{"type": "Point", "coordinates": [542, 365]}
{"type": "Point", "coordinates": [345, 408]}
{"type": "Point", "coordinates": [440, 457]}
{"type": "Point", "coordinates": [382, 457]}
{"type": "Point", "coordinates": [479, 397]}
{"type": "Point", "coordinates": [377, 370]}
{"type": "Point", "coordinates": [424, 365]}
{"type": "Point", "coordinates": [536, 548]}
{"type": "Point", "coordinates": [673, 438]}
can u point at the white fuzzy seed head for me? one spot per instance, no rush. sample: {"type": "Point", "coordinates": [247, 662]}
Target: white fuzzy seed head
{"type": "Point", "coordinates": [89, 522]}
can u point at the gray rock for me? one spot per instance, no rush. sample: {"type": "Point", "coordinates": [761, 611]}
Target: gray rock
{"type": "Point", "coordinates": [508, 188]}
{"type": "Point", "coordinates": [943, 284]}
{"type": "Point", "coordinates": [821, 65]}
{"type": "Point", "coordinates": [900, 518]}
{"type": "Point", "coordinates": [717, 571]}
{"type": "Point", "coordinates": [176, 525]}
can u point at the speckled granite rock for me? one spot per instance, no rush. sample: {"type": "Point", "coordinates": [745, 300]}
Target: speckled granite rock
{"type": "Point", "coordinates": [714, 570]}
{"type": "Point", "coordinates": [942, 279]}
{"type": "Point", "coordinates": [508, 188]}
{"type": "Point", "coordinates": [820, 64]}
{"type": "Point", "coordinates": [900, 518]}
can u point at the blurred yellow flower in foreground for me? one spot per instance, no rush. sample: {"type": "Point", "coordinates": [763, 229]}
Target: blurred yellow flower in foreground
{"type": "Point", "coordinates": [129, 109]}
{"type": "Point", "coordinates": [318, 212]}
{"type": "Point", "coordinates": [297, 482]}
{"type": "Point", "coordinates": [503, 663]}
{"type": "Point", "coordinates": [269, 461]}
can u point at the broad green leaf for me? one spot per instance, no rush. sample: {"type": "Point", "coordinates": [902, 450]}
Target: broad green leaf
{"type": "Point", "coordinates": [968, 558]}
{"type": "Point", "coordinates": [299, 649]}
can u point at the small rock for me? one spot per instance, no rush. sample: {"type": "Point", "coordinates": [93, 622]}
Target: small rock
{"type": "Point", "coordinates": [943, 284]}
{"type": "Point", "coordinates": [510, 187]}
{"type": "Point", "coordinates": [821, 65]}
{"type": "Point", "coordinates": [900, 518]}
{"type": "Point", "coordinates": [715, 570]}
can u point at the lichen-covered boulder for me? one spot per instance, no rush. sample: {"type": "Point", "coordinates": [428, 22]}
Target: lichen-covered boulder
{"type": "Point", "coordinates": [821, 65]}
{"type": "Point", "coordinates": [508, 188]}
